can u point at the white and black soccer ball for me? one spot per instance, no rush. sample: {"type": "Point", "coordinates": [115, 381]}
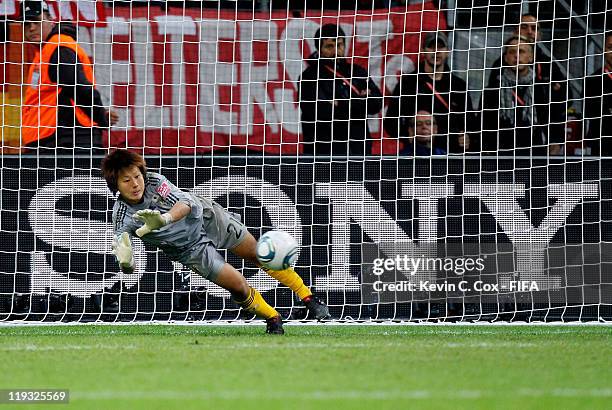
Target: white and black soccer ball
{"type": "Point", "coordinates": [277, 250]}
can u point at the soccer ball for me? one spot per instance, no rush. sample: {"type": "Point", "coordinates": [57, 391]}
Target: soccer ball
{"type": "Point", "coordinates": [277, 250]}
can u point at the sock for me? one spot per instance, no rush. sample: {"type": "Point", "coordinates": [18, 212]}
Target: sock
{"type": "Point", "coordinates": [256, 304]}
{"type": "Point", "coordinates": [292, 280]}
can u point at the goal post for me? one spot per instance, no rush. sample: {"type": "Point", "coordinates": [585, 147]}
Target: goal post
{"type": "Point", "coordinates": [406, 204]}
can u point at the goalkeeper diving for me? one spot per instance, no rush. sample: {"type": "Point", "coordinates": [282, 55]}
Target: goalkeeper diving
{"type": "Point", "coordinates": [189, 229]}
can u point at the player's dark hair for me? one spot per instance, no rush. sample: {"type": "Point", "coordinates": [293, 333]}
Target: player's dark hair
{"type": "Point", "coordinates": [117, 160]}
{"type": "Point", "coordinates": [328, 31]}
{"type": "Point", "coordinates": [534, 15]}
{"type": "Point", "coordinates": [34, 10]}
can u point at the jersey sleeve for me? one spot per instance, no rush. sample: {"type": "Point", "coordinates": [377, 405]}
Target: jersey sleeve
{"type": "Point", "coordinates": [121, 221]}
{"type": "Point", "coordinates": [171, 193]}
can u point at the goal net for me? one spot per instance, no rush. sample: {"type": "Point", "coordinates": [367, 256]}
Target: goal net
{"type": "Point", "coordinates": [435, 160]}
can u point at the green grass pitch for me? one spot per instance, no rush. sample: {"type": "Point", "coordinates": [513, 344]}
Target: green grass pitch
{"type": "Point", "coordinates": [312, 367]}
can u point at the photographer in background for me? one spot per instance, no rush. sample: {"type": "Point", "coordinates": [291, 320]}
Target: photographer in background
{"type": "Point", "coordinates": [61, 110]}
{"type": "Point", "coordinates": [598, 103]}
{"type": "Point", "coordinates": [434, 87]}
{"type": "Point", "coordinates": [336, 97]}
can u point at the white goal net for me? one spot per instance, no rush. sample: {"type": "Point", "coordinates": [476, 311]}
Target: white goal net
{"type": "Point", "coordinates": [435, 160]}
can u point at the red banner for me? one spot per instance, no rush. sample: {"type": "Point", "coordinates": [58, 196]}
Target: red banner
{"type": "Point", "coordinates": [193, 80]}
{"type": "Point", "coordinates": [9, 8]}
{"type": "Point", "coordinates": [86, 13]}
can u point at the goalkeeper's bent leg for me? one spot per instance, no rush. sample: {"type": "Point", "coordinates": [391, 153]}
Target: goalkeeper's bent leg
{"type": "Point", "coordinates": [244, 295]}
{"type": "Point", "coordinates": [293, 281]}
{"type": "Point", "coordinates": [290, 278]}
{"type": "Point", "coordinates": [255, 304]}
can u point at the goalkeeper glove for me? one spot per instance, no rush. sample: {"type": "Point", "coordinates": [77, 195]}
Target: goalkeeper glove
{"type": "Point", "coordinates": [122, 249]}
{"type": "Point", "coordinates": [152, 220]}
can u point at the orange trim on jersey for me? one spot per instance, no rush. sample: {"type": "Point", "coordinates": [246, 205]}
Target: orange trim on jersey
{"type": "Point", "coordinates": [39, 109]}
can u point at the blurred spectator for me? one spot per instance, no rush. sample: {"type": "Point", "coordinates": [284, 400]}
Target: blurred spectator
{"type": "Point", "coordinates": [516, 106]}
{"type": "Point", "coordinates": [335, 99]}
{"type": "Point", "coordinates": [435, 87]}
{"type": "Point", "coordinates": [598, 103]}
{"type": "Point", "coordinates": [545, 70]}
{"type": "Point", "coordinates": [422, 132]}
{"type": "Point", "coordinates": [61, 107]}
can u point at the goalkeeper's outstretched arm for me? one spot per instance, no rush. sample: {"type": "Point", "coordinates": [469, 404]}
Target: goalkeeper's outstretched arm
{"type": "Point", "coordinates": [122, 245]}
{"type": "Point", "coordinates": [179, 211]}
{"type": "Point", "coordinates": [122, 249]}
{"type": "Point", "coordinates": [153, 219]}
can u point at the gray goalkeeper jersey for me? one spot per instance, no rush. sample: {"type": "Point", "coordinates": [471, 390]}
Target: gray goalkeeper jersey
{"type": "Point", "coordinates": [193, 240]}
{"type": "Point", "coordinates": [176, 239]}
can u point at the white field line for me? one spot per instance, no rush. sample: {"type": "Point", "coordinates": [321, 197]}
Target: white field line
{"type": "Point", "coordinates": [188, 331]}
{"type": "Point", "coordinates": [397, 331]}
{"type": "Point", "coordinates": [308, 323]}
{"type": "Point", "coordinates": [237, 394]}
{"type": "Point", "coordinates": [373, 346]}
{"type": "Point", "coordinates": [37, 348]}
{"type": "Point", "coordinates": [232, 346]}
